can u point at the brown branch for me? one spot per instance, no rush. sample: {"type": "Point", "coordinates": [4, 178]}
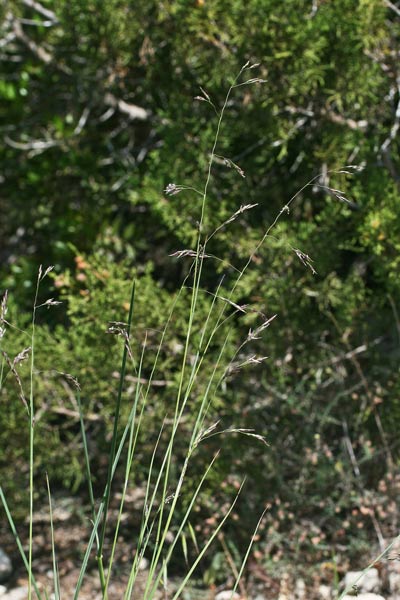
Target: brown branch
{"type": "Point", "coordinates": [392, 6]}
{"type": "Point", "coordinates": [132, 110]}
{"type": "Point", "coordinates": [40, 52]}
{"type": "Point", "coordinates": [73, 414]}
{"type": "Point", "coordinates": [329, 114]}
{"type": "Point", "coordinates": [33, 147]}
{"type": "Point", "coordinates": [341, 120]}
{"type": "Point", "coordinates": [49, 14]}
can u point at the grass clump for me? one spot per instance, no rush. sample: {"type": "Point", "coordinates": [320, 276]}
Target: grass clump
{"type": "Point", "coordinates": [180, 405]}
{"type": "Point", "coordinates": [190, 395]}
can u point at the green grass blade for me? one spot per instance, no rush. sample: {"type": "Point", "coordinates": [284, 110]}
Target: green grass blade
{"type": "Point", "coordinates": [114, 438]}
{"type": "Point", "coordinates": [247, 553]}
{"type": "Point", "coordinates": [18, 542]}
{"type": "Point", "coordinates": [86, 453]}
{"type": "Point", "coordinates": [350, 588]}
{"type": "Point", "coordinates": [130, 456]}
{"type": "Point", "coordinates": [31, 435]}
{"type": "Point", "coordinates": [180, 529]}
{"type": "Point", "coordinates": [88, 551]}
{"type": "Point", "coordinates": [100, 511]}
{"type": "Point", "coordinates": [53, 549]}
{"type": "Point", "coordinates": [183, 584]}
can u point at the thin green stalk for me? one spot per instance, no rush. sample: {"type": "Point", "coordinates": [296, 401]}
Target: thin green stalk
{"type": "Point", "coordinates": [179, 405]}
{"type": "Point", "coordinates": [184, 390]}
{"type": "Point", "coordinates": [86, 453]}
{"type": "Point", "coordinates": [144, 526]}
{"type": "Point", "coordinates": [114, 442]}
{"type": "Point", "coordinates": [18, 541]}
{"type": "Point", "coordinates": [131, 452]}
{"type": "Point", "coordinates": [161, 540]}
{"type": "Point", "coordinates": [53, 549]}
{"type": "Point", "coordinates": [131, 447]}
{"type": "Point", "coordinates": [122, 442]}
{"type": "Point", "coordinates": [160, 345]}
{"type": "Point", "coordinates": [205, 404]}
{"type": "Point", "coordinates": [247, 553]}
{"type": "Point", "coordinates": [350, 588]}
{"type": "Point", "coordinates": [31, 436]}
{"type": "Point", "coordinates": [206, 546]}
{"type": "Point", "coordinates": [199, 260]}
{"type": "Point", "coordinates": [88, 551]}
{"type": "Point", "coordinates": [183, 522]}
{"type": "Point", "coordinates": [198, 263]}
{"type": "Point", "coordinates": [134, 432]}
{"type": "Point", "coordinates": [100, 511]}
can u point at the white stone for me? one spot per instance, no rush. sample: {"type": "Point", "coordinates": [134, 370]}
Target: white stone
{"type": "Point", "coordinates": [325, 592]}
{"type": "Point", "coordinates": [143, 564]}
{"type": "Point", "coordinates": [300, 589]}
{"type": "Point", "coordinates": [20, 593]}
{"type": "Point", "coordinates": [3, 590]}
{"type": "Point", "coordinates": [227, 595]}
{"type": "Point", "coordinates": [394, 581]}
{"type": "Point", "coordinates": [367, 582]}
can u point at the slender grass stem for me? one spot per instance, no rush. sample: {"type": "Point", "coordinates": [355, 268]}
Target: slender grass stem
{"type": "Point", "coordinates": [134, 432]}
{"type": "Point", "coordinates": [162, 528]}
{"type": "Point", "coordinates": [114, 443]}
{"type": "Point", "coordinates": [87, 460]}
{"type": "Point", "coordinates": [31, 435]}
{"type": "Point", "coordinates": [57, 595]}
{"type": "Point", "coordinates": [206, 546]}
{"type": "Point", "coordinates": [18, 541]}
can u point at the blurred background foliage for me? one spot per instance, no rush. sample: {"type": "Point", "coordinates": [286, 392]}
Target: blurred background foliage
{"type": "Point", "coordinates": [97, 116]}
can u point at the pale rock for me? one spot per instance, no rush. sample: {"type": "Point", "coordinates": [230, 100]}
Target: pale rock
{"type": "Point", "coordinates": [227, 595]}
{"type": "Point", "coordinates": [5, 566]}
{"type": "Point", "coordinates": [367, 582]}
{"type": "Point", "coordinates": [3, 590]}
{"type": "Point", "coordinates": [300, 589]}
{"type": "Point", "coordinates": [394, 582]}
{"type": "Point", "coordinates": [20, 593]}
{"type": "Point", "coordinates": [284, 589]}
{"type": "Point", "coordinates": [325, 592]}
{"type": "Point", "coordinates": [143, 564]}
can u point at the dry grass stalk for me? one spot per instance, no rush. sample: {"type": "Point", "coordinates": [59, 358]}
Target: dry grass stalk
{"type": "Point", "coordinates": [11, 364]}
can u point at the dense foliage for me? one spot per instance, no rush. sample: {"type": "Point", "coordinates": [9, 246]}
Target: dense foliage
{"type": "Point", "coordinates": [97, 117]}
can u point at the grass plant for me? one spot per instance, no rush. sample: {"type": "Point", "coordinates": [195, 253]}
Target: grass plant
{"type": "Point", "coordinates": [160, 504]}
{"type": "Point", "coordinates": [164, 489]}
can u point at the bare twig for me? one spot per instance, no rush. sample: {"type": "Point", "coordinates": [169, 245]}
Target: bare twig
{"type": "Point", "coordinates": [33, 23]}
{"type": "Point", "coordinates": [34, 146]}
{"type": "Point", "coordinates": [49, 14]}
{"type": "Point", "coordinates": [39, 51]}
{"type": "Point", "coordinates": [350, 354]}
{"type": "Point", "coordinates": [82, 121]}
{"type": "Point", "coordinates": [132, 110]}
{"type": "Point", "coordinates": [350, 450]}
{"type": "Point", "coordinates": [392, 6]}
{"type": "Point", "coordinates": [341, 120]}
{"type": "Point", "coordinates": [330, 115]}
{"type": "Point", "coordinates": [396, 123]}
{"type": "Point", "coordinates": [9, 37]}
